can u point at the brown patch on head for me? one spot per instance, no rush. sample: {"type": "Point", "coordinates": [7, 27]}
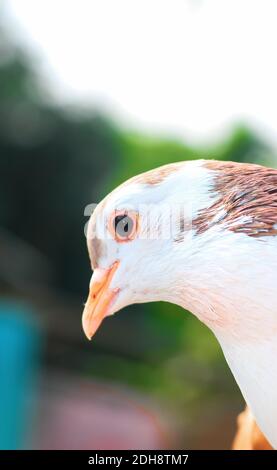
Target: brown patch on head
{"type": "Point", "coordinates": [96, 250]}
{"type": "Point", "coordinates": [247, 199]}
{"type": "Point", "coordinates": [96, 246]}
{"type": "Point", "coordinates": [156, 176]}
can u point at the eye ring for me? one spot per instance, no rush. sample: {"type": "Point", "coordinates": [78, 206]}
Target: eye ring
{"type": "Point", "coordinates": [123, 225]}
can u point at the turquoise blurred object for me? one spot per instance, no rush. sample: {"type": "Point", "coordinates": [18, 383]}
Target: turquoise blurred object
{"type": "Point", "coordinates": [20, 341]}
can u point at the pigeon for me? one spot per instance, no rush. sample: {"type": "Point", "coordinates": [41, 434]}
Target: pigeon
{"type": "Point", "coordinates": [201, 234]}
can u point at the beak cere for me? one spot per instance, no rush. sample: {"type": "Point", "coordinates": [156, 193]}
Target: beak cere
{"type": "Point", "coordinates": [99, 300]}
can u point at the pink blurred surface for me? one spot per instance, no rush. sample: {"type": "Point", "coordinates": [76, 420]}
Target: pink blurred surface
{"type": "Point", "coordinates": [82, 414]}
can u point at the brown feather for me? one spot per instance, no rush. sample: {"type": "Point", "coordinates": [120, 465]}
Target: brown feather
{"type": "Point", "coordinates": [249, 436]}
{"type": "Point", "coordinates": [245, 190]}
{"type": "Point", "coordinates": [156, 176]}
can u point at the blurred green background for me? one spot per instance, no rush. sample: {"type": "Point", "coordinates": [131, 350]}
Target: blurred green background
{"type": "Point", "coordinates": [153, 376]}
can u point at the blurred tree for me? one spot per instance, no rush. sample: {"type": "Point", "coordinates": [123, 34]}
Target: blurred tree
{"type": "Point", "coordinates": [51, 167]}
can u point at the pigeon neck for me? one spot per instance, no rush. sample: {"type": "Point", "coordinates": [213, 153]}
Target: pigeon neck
{"type": "Point", "coordinates": [254, 368]}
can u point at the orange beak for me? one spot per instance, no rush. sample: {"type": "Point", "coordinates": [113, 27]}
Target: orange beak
{"type": "Point", "coordinates": [99, 300]}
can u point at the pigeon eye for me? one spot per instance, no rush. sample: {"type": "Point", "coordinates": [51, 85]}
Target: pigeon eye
{"type": "Point", "coordinates": [123, 226]}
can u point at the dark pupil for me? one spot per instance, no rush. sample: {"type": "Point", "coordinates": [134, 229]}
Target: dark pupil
{"type": "Point", "coordinates": [123, 225]}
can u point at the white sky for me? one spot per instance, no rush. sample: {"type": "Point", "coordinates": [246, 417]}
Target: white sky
{"type": "Point", "coordinates": [190, 68]}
